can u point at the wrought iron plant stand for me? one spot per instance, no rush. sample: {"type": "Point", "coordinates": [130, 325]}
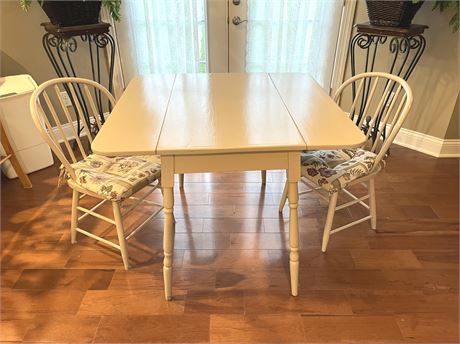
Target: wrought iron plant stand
{"type": "Point", "coordinates": [61, 44]}
{"type": "Point", "coordinates": [405, 45]}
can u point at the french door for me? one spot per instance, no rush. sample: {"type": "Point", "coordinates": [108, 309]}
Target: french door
{"type": "Point", "coordinates": [190, 36]}
{"type": "Point", "coordinates": [279, 36]}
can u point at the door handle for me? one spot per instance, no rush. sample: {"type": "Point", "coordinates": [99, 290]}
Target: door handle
{"type": "Point", "coordinates": [237, 20]}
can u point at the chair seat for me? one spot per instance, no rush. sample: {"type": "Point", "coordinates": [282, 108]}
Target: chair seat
{"type": "Point", "coordinates": [115, 178]}
{"type": "Point", "coordinates": [333, 170]}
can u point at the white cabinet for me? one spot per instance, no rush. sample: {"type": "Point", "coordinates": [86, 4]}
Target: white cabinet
{"type": "Point", "coordinates": [28, 145]}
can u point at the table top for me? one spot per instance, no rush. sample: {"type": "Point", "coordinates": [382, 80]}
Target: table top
{"type": "Point", "coordinates": [224, 113]}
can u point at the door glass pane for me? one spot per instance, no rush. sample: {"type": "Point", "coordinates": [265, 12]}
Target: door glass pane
{"type": "Point", "coordinates": [158, 36]}
{"type": "Point", "coordinates": [293, 36]}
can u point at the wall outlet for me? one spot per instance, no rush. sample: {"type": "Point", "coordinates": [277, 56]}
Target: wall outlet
{"type": "Point", "coordinates": [66, 99]}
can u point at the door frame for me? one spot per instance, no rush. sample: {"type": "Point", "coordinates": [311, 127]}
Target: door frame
{"type": "Point", "coordinates": [343, 39]}
{"type": "Point", "coordinates": [217, 31]}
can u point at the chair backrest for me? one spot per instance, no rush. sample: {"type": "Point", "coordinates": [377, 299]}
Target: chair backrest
{"type": "Point", "coordinates": [90, 102]}
{"type": "Point", "coordinates": [380, 105]}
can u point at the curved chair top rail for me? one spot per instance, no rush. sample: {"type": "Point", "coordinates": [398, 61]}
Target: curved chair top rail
{"type": "Point", "coordinates": [86, 97]}
{"type": "Point", "coordinates": [380, 105]}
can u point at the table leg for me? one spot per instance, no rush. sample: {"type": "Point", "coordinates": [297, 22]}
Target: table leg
{"type": "Point", "coordinates": [263, 175]}
{"type": "Point", "coordinates": [293, 197]}
{"type": "Point", "coordinates": [167, 184]}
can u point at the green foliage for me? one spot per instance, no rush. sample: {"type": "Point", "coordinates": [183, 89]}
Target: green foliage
{"type": "Point", "coordinates": [113, 6]}
{"type": "Point", "coordinates": [442, 5]}
{"type": "Point", "coordinates": [25, 4]}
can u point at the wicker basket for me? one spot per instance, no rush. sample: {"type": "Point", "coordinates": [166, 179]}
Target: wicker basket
{"type": "Point", "coordinates": [72, 13]}
{"type": "Point", "coordinates": [392, 12]}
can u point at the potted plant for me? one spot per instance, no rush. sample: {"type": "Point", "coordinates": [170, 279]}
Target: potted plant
{"type": "Point", "coordinates": [75, 12]}
{"type": "Point", "coordinates": [392, 12]}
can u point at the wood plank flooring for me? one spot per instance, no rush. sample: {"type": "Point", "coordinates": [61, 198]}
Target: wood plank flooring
{"type": "Point", "coordinates": [399, 284]}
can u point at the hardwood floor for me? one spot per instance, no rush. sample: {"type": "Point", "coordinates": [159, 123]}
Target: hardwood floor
{"type": "Point", "coordinates": [231, 279]}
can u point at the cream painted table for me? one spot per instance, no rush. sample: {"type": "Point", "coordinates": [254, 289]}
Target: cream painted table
{"type": "Point", "coordinates": [225, 122]}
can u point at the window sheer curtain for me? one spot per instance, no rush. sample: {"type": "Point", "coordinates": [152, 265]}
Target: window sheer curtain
{"type": "Point", "coordinates": [293, 36]}
{"type": "Point", "coordinates": [163, 36]}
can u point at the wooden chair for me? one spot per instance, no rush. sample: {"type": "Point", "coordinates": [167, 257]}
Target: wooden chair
{"type": "Point", "coordinates": [23, 178]}
{"type": "Point", "coordinates": [107, 179]}
{"type": "Point", "coordinates": [331, 172]}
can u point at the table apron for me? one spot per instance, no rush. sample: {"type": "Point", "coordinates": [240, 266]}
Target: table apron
{"type": "Point", "coordinates": [229, 162]}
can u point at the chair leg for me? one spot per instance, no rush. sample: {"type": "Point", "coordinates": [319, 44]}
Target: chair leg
{"type": "Point", "coordinates": [263, 175]}
{"type": "Point", "coordinates": [181, 180]}
{"type": "Point", "coordinates": [23, 177]}
{"type": "Point", "coordinates": [74, 216]}
{"type": "Point", "coordinates": [329, 220]}
{"type": "Point", "coordinates": [283, 198]}
{"type": "Point", "coordinates": [372, 203]}
{"type": "Point", "coordinates": [121, 233]}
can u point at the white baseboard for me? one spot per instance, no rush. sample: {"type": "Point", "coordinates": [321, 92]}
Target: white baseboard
{"type": "Point", "coordinates": [427, 144]}
{"type": "Point", "coordinates": [68, 132]}
{"type": "Point", "coordinates": [450, 149]}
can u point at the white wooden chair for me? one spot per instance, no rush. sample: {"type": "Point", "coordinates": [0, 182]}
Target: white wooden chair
{"type": "Point", "coordinates": [108, 179]}
{"type": "Point", "coordinates": [330, 172]}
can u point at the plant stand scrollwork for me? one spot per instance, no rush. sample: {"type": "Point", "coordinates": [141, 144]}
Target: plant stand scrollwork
{"type": "Point", "coordinates": [61, 43]}
{"type": "Point", "coordinates": [405, 45]}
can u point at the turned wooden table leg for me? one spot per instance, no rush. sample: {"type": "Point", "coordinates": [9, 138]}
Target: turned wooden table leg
{"type": "Point", "coordinates": [167, 183]}
{"type": "Point", "coordinates": [293, 197]}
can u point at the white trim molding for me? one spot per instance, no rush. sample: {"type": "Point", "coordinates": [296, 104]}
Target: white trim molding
{"type": "Point", "coordinates": [343, 41]}
{"type": "Point", "coordinates": [67, 129]}
{"type": "Point", "coordinates": [450, 148]}
{"type": "Point", "coordinates": [68, 132]}
{"type": "Point", "coordinates": [427, 144]}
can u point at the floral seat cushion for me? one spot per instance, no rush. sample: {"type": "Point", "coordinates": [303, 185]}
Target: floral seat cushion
{"type": "Point", "coordinates": [333, 170]}
{"type": "Point", "coordinates": [115, 178]}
